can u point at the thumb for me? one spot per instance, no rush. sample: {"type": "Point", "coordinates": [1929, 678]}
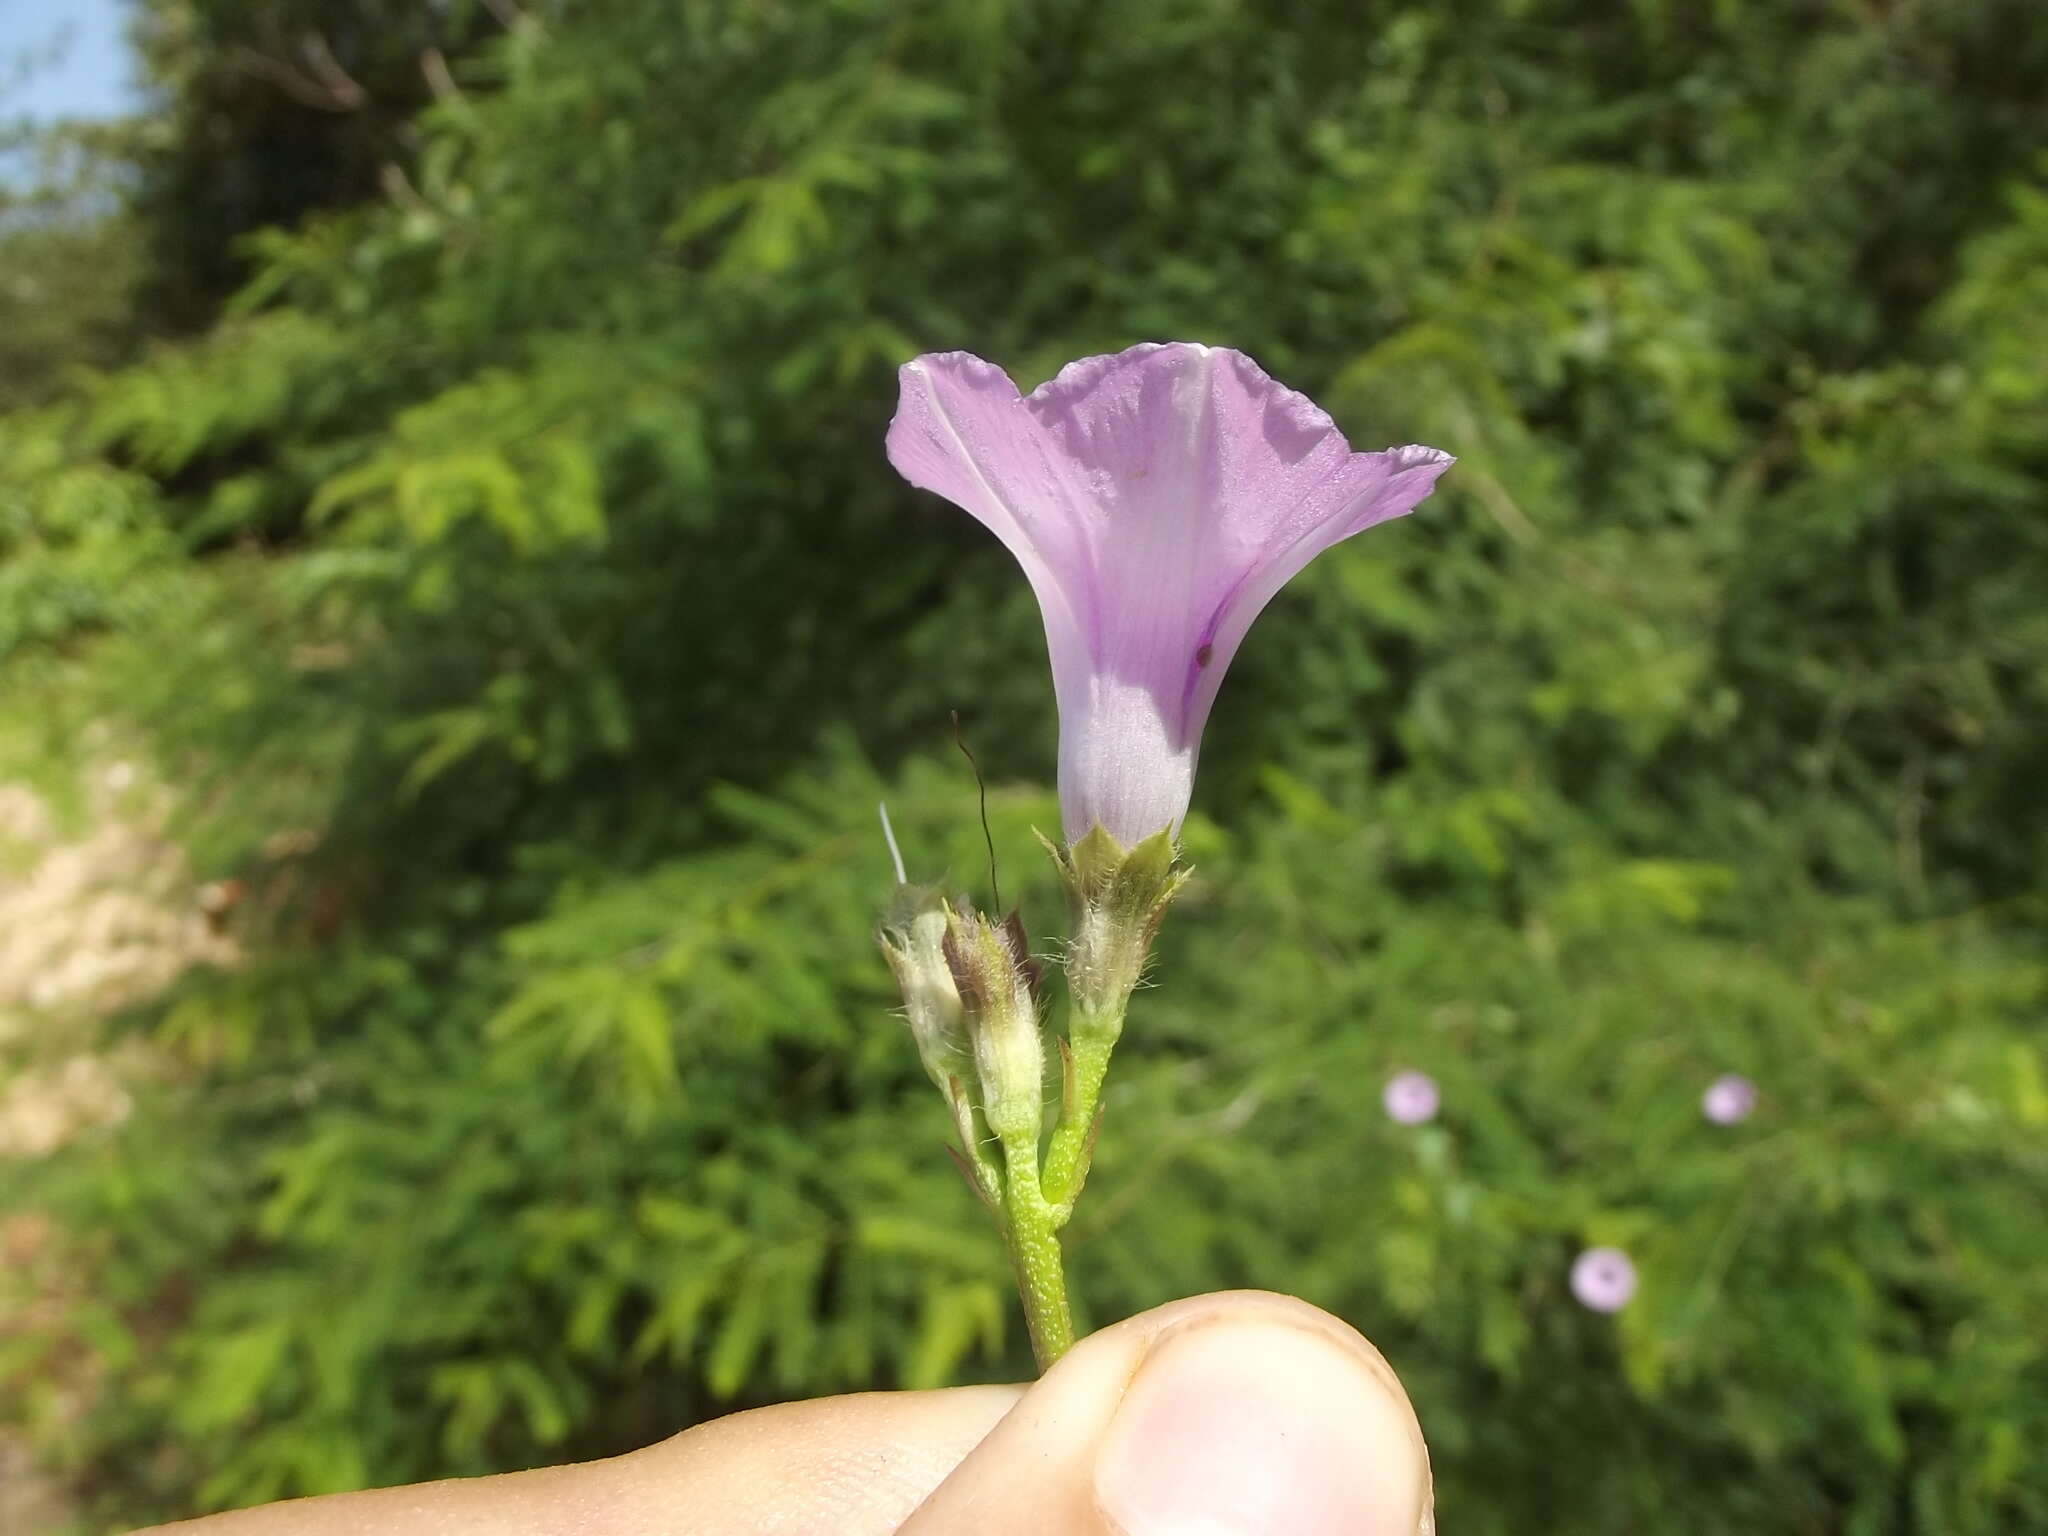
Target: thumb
{"type": "Point", "coordinates": [1240, 1414]}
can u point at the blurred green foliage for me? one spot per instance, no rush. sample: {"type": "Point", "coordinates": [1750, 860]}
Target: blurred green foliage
{"type": "Point", "coordinates": [68, 255]}
{"type": "Point", "coordinates": [523, 533]}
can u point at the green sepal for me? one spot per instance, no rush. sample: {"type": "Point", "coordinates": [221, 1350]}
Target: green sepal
{"type": "Point", "coordinates": [1131, 886]}
{"type": "Point", "coordinates": [998, 983]}
{"type": "Point", "coordinates": [971, 1156]}
{"type": "Point", "coordinates": [913, 941]}
{"type": "Point", "coordinates": [1119, 896]}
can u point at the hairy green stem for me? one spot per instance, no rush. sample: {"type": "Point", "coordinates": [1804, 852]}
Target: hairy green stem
{"type": "Point", "coordinates": [1031, 1227]}
{"type": "Point", "coordinates": [1036, 1204]}
{"type": "Point", "coordinates": [1073, 1140]}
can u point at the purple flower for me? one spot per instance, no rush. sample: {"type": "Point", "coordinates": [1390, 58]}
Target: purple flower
{"type": "Point", "coordinates": [1157, 499]}
{"type": "Point", "coordinates": [1729, 1099]}
{"type": "Point", "coordinates": [1603, 1279]}
{"type": "Point", "coordinates": [1411, 1097]}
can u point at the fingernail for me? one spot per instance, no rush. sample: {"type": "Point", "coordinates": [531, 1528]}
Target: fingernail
{"type": "Point", "coordinates": [1253, 1429]}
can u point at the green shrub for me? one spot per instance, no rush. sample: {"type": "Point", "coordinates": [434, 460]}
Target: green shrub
{"type": "Point", "coordinates": [523, 547]}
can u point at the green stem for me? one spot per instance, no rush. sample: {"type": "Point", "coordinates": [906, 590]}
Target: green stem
{"type": "Point", "coordinates": [1032, 1228]}
{"type": "Point", "coordinates": [1073, 1140]}
{"type": "Point", "coordinates": [1036, 1204]}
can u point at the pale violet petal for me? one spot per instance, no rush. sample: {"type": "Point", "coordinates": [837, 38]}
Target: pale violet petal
{"type": "Point", "coordinates": [961, 430]}
{"type": "Point", "coordinates": [1157, 499]}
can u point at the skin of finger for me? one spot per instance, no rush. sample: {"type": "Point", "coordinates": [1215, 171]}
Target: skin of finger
{"type": "Point", "coordinates": [838, 1466]}
{"type": "Point", "coordinates": [1034, 1473]}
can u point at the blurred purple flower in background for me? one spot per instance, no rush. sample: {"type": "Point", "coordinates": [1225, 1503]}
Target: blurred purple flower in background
{"type": "Point", "coordinates": [1603, 1279]}
{"type": "Point", "coordinates": [1729, 1099]}
{"type": "Point", "coordinates": [1411, 1097]}
{"type": "Point", "coordinates": [1157, 499]}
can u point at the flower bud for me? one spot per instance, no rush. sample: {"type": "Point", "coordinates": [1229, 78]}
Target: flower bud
{"type": "Point", "coordinates": [914, 941]}
{"type": "Point", "coordinates": [997, 981]}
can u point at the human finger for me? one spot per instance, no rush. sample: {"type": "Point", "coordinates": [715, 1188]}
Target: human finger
{"type": "Point", "coordinates": [1241, 1414]}
{"type": "Point", "coordinates": [836, 1466]}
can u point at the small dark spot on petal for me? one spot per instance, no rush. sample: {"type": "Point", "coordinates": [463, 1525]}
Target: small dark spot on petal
{"type": "Point", "coordinates": [1203, 654]}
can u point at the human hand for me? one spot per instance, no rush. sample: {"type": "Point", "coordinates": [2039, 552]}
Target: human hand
{"type": "Point", "coordinates": [1238, 1414]}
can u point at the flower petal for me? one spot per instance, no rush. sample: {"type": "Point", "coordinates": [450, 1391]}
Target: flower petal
{"type": "Point", "coordinates": [1365, 489]}
{"type": "Point", "coordinates": [1212, 485]}
{"type": "Point", "coordinates": [1157, 499]}
{"type": "Point", "coordinates": [961, 430]}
